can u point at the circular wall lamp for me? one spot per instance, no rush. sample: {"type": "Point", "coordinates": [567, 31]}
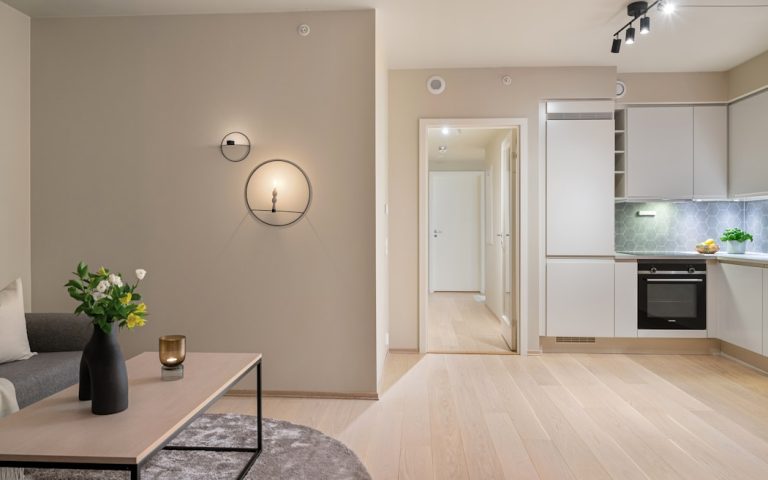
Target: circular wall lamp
{"type": "Point", "coordinates": [235, 146]}
{"type": "Point", "coordinates": [278, 193]}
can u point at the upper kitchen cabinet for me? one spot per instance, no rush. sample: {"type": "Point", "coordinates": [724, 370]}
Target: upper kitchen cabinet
{"type": "Point", "coordinates": [660, 152]}
{"type": "Point", "coordinates": [748, 146]}
{"type": "Point", "coordinates": [580, 179]}
{"type": "Point", "coordinates": [710, 152]}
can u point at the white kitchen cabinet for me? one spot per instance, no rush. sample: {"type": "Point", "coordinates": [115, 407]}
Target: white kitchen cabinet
{"type": "Point", "coordinates": [659, 152]}
{"type": "Point", "coordinates": [710, 152]}
{"type": "Point", "coordinates": [741, 306]}
{"type": "Point", "coordinates": [580, 187]}
{"type": "Point", "coordinates": [748, 146]}
{"type": "Point", "coordinates": [625, 299]}
{"type": "Point", "coordinates": [580, 297]}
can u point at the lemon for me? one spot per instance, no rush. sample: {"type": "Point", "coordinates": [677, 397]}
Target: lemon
{"type": "Point", "coordinates": [709, 241]}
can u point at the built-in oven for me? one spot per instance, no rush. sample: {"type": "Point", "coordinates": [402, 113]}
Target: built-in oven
{"type": "Point", "coordinates": [672, 295]}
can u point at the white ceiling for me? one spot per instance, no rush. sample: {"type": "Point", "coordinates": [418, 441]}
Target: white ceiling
{"type": "Point", "coordinates": [463, 145]}
{"type": "Point", "coordinates": [498, 33]}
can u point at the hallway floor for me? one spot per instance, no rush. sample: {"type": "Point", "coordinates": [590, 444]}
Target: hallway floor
{"type": "Point", "coordinates": [459, 324]}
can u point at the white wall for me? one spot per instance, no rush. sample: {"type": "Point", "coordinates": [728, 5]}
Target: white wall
{"type": "Point", "coordinates": [382, 197]}
{"type": "Point", "coordinates": [128, 113]}
{"type": "Point", "coordinates": [15, 243]}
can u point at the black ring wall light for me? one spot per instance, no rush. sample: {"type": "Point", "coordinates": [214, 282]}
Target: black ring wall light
{"type": "Point", "coordinates": [636, 10]}
{"type": "Point", "coordinates": [278, 193]}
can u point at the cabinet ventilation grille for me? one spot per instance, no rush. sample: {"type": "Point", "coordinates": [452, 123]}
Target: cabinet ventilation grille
{"type": "Point", "coordinates": [575, 339]}
{"type": "Point", "coordinates": [581, 116]}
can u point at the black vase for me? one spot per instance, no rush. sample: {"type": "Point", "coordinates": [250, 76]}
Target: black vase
{"type": "Point", "coordinates": [103, 377]}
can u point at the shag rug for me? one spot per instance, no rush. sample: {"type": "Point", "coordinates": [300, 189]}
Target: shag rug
{"type": "Point", "coordinates": [290, 451]}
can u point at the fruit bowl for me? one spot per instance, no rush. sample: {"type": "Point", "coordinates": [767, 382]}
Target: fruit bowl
{"type": "Point", "coordinates": [708, 249]}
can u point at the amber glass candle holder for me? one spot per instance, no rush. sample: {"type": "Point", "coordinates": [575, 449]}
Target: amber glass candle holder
{"type": "Point", "coordinates": [173, 350]}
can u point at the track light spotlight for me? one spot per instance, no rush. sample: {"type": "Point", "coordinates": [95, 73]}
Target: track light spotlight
{"type": "Point", "coordinates": [616, 46]}
{"type": "Point", "coordinates": [630, 37]}
{"type": "Point", "coordinates": [666, 6]}
{"type": "Point", "coordinates": [645, 26]}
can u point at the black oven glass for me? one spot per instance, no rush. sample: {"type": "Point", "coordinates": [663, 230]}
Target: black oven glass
{"type": "Point", "coordinates": [672, 300]}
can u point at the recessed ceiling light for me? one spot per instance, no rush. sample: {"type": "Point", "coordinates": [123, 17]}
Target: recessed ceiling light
{"type": "Point", "coordinates": [442, 148]}
{"type": "Point", "coordinates": [445, 131]}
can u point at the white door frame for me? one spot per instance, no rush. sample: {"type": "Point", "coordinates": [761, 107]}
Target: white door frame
{"type": "Point", "coordinates": [522, 125]}
{"type": "Point", "coordinates": [481, 175]}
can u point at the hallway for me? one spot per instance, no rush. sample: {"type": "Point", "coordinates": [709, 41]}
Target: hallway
{"type": "Point", "coordinates": [460, 324]}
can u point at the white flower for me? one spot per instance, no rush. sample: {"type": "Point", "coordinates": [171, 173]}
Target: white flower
{"type": "Point", "coordinates": [115, 280]}
{"type": "Point", "coordinates": [98, 296]}
{"type": "Point", "coordinates": [102, 286]}
{"type": "Point", "coordinates": [141, 273]}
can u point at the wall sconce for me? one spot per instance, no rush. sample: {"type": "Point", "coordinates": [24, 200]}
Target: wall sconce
{"type": "Point", "coordinates": [278, 193]}
{"type": "Point", "coordinates": [235, 146]}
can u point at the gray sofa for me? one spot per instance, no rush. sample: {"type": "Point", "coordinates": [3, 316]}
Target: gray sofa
{"type": "Point", "coordinates": [58, 339]}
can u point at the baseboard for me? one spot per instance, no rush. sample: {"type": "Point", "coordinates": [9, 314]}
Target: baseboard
{"type": "Point", "coordinates": [665, 346]}
{"type": "Point", "coordinates": [453, 352]}
{"type": "Point", "coordinates": [403, 350]}
{"type": "Point", "coordinates": [303, 394]}
{"type": "Point", "coordinates": [743, 355]}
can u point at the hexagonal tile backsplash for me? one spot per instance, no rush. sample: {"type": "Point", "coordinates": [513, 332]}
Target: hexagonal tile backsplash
{"type": "Point", "coordinates": [679, 226]}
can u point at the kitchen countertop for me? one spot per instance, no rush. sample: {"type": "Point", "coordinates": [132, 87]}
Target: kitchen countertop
{"type": "Point", "coordinates": [749, 257]}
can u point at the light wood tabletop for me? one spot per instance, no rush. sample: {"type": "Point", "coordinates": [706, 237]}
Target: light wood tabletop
{"type": "Point", "coordinates": [61, 428]}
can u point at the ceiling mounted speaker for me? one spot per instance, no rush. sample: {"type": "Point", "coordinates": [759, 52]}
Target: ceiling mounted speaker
{"type": "Point", "coordinates": [435, 85]}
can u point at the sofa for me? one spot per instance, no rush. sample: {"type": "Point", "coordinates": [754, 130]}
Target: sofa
{"type": "Point", "coordinates": [58, 339]}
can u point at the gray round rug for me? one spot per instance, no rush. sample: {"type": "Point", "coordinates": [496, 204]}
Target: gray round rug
{"type": "Point", "coordinates": [291, 452]}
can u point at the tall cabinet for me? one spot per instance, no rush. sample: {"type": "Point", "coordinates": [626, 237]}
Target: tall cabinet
{"type": "Point", "coordinates": [580, 218]}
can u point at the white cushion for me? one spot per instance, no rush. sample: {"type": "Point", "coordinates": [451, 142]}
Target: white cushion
{"type": "Point", "coordinates": [14, 344]}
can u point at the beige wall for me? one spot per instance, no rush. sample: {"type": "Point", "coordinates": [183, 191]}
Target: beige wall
{"type": "Point", "coordinates": [749, 76]}
{"type": "Point", "coordinates": [128, 113]}
{"type": "Point", "coordinates": [14, 149]}
{"type": "Point", "coordinates": [675, 87]}
{"type": "Point", "coordinates": [470, 93]}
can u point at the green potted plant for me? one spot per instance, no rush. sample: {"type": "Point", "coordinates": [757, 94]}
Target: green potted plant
{"type": "Point", "coordinates": [735, 240]}
{"type": "Point", "coordinates": [111, 304]}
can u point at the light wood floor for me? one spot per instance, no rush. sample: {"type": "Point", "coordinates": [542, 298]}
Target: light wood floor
{"type": "Point", "coordinates": [558, 416]}
{"type": "Point", "coordinates": [459, 324]}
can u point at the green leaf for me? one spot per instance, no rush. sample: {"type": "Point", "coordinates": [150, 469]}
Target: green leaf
{"type": "Point", "coordinates": [82, 269]}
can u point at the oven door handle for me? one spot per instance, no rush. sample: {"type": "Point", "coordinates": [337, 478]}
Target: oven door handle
{"type": "Point", "coordinates": [677, 280]}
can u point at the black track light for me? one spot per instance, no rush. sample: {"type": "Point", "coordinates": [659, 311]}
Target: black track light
{"type": "Point", "coordinates": [630, 38]}
{"type": "Point", "coordinates": [645, 26]}
{"type": "Point", "coordinates": [616, 46]}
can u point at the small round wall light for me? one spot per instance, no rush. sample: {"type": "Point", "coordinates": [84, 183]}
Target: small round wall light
{"type": "Point", "coordinates": [235, 146]}
{"type": "Point", "coordinates": [278, 193]}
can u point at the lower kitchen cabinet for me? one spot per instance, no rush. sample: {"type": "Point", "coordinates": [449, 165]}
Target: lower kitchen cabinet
{"type": "Point", "coordinates": [580, 297]}
{"type": "Point", "coordinates": [625, 283]}
{"type": "Point", "coordinates": [741, 306]}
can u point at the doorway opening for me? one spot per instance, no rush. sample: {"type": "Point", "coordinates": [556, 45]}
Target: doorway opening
{"type": "Point", "coordinates": [472, 205]}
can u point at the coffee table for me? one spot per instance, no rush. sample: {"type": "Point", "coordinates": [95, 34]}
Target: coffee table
{"type": "Point", "coordinates": [60, 432]}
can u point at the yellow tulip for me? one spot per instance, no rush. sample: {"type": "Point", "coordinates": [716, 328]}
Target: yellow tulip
{"type": "Point", "coordinates": [102, 271]}
{"type": "Point", "coordinates": [140, 308]}
{"type": "Point", "coordinates": [126, 299]}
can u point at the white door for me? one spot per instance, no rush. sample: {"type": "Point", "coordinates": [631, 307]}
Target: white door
{"type": "Point", "coordinates": [509, 244]}
{"type": "Point", "coordinates": [455, 233]}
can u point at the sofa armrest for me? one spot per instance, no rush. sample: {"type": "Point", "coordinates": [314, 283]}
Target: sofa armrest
{"type": "Point", "coordinates": [58, 332]}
